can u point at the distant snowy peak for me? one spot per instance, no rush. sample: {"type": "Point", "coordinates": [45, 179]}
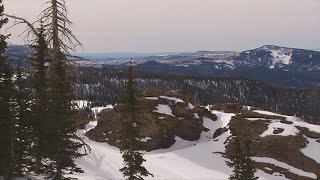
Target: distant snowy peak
{"type": "Point", "coordinates": [279, 57]}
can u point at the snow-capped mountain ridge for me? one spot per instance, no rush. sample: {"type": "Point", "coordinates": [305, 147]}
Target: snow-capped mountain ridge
{"type": "Point", "coordinates": [279, 57]}
{"type": "Point", "coordinates": [272, 64]}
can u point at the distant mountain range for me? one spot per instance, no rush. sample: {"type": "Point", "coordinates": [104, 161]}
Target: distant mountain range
{"type": "Point", "coordinates": [120, 55]}
{"type": "Point", "coordinates": [272, 64]}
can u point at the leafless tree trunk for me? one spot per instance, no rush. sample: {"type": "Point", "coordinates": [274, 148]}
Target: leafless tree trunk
{"type": "Point", "coordinates": [57, 26]}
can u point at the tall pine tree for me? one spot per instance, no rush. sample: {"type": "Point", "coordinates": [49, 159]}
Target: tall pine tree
{"type": "Point", "coordinates": [131, 144]}
{"type": "Point", "coordinates": [60, 126]}
{"type": "Point", "coordinates": [40, 106]}
{"type": "Point", "coordinates": [22, 129]}
{"type": "Point", "coordinates": [6, 89]}
{"type": "Point", "coordinates": [244, 168]}
{"type": "Point", "coordinates": [64, 144]}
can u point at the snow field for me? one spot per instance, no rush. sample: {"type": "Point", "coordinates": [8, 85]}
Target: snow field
{"type": "Point", "coordinates": [188, 160]}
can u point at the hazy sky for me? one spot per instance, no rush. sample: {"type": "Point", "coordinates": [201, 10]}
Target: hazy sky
{"type": "Point", "coordinates": [184, 25]}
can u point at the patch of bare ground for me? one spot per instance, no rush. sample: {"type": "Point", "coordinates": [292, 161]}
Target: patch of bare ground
{"type": "Point", "coordinates": [282, 148]}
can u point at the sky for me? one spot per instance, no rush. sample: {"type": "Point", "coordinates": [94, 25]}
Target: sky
{"type": "Point", "coordinates": [182, 25]}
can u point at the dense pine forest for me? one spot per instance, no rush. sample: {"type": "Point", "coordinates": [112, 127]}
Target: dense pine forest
{"type": "Point", "coordinates": [104, 85]}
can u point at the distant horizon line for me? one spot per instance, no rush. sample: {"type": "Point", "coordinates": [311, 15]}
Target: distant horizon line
{"type": "Point", "coordinates": [178, 51]}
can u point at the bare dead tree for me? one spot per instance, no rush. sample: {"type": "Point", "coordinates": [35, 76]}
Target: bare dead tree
{"type": "Point", "coordinates": [29, 31]}
{"type": "Point", "coordinates": [57, 26]}
{"type": "Point", "coordinates": [19, 20]}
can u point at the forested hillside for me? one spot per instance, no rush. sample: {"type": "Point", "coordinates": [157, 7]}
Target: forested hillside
{"type": "Point", "coordinates": [104, 85]}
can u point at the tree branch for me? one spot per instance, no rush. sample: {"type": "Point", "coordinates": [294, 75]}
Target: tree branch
{"type": "Point", "coordinates": [22, 20]}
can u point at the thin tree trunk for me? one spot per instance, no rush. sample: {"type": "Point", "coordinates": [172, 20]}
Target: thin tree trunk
{"type": "Point", "coordinates": [38, 161]}
{"type": "Point", "coordinates": [12, 150]}
{"type": "Point", "coordinates": [55, 30]}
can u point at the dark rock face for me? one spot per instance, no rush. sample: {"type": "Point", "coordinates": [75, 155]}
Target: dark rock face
{"type": "Point", "coordinates": [159, 129]}
{"type": "Point", "coordinates": [219, 132]}
{"type": "Point", "coordinates": [228, 107]}
{"type": "Point", "coordinates": [189, 129]}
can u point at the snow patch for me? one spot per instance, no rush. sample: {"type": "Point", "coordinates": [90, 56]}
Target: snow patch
{"type": "Point", "coordinates": [267, 168]}
{"type": "Point", "coordinates": [280, 57]}
{"type": "Point", "coordinates": [79, 104]}
{"type": "Point", "coordinates": [312, 150]}
{"type": "Point", "coordinates": [172, 99]}
{"type": "Point", "coordinates": [296, 121]}
{"type": "Point", "coordinates": [97, 110]}
{"type": "Point", "coordinates": [246, 108]}
{"type": "Point", "coordinates": [289, 130]}
{"type": "Point", "coordinates": [191, 106]}
{"type": "Point", "coordinates": [264, 119]}
{"type": "Point", "coordinates": [152, 98]}
{"type": "Point", "coordinates": [223, 118]}
{"type": "Point", "coordinates": [286, 166]}
{"type": "Point", "coordinates": [164, 109]}
{"type": "Point", "coordinates": [268, 113]}
{"type": "Point", "coordinates": [91, 125]}
{"type": "Point", "coordinates": [145, 139]}
{"type": "Point", "coordinates": [196, 115]}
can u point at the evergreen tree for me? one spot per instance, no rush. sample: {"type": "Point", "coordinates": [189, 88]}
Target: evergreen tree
{"type": "Point", "coordinates": [40, 106]}
{"type": "Point", "coordinates": [131, 144]}
{"type": "Point", "coordinates": [21, 121]}
{"type": "Point", "coordinates": [64, 144]}
{"type": "Point", "coordinates": [6, 89]}
{"type": "Point", "coordinates": [244, 168]}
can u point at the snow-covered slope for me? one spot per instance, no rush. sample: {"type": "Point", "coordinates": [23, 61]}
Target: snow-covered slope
{"type": "Point", "coordinates": [200, 159]}
{"type": "Point", "coordinates": [280, 57]}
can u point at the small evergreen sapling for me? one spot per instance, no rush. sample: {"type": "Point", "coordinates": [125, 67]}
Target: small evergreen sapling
{"type": "Point", "coordinates": [131, 144]}
{"type": "Point", "coordinates": [244, 168]}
